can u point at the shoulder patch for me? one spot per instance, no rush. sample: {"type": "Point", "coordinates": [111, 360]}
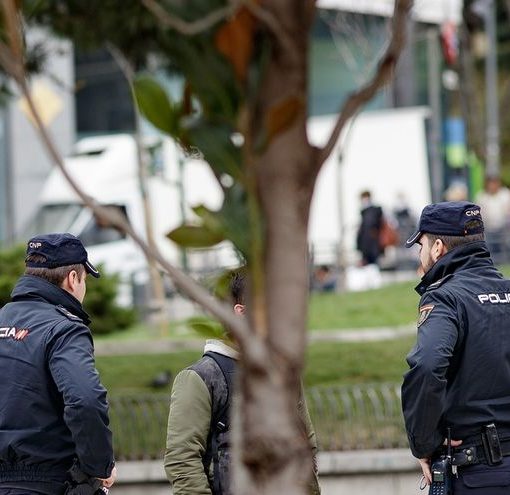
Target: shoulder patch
{"type": "Point", "coordinates": [68, 314]}
{"type": "Point", "coordinates": [425, 313]}
{"type": "Point", "coordinates": [439, 282]}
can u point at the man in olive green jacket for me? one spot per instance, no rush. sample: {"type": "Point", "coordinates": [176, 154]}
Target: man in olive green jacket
{"type": "Point", "coordinates": [199, 393]}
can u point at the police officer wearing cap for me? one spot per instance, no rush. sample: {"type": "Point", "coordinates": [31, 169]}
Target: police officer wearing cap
{"type": "Point", "coordinates": [53, 411]}
{"type": "Point", "coordinates": [459, 376]}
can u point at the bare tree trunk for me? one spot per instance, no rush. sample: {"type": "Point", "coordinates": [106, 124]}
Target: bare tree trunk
{"type": "Point", "coordinates": [275, 454]}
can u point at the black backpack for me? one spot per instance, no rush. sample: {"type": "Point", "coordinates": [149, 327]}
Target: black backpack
{"type": "Point", "coordinates": [220, 428]}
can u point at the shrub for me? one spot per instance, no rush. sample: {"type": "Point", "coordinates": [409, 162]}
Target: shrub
{"type": "Point", "coordinates": [100, 302]}
{"type": "Point", "coordinates": [12, 265]}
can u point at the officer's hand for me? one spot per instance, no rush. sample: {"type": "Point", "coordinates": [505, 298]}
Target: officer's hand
{"type": "Point", "coordinates": [425, 462]}
{"type": "Point", "coordinates": [108, 482]}
{"type": "Point", "coordinates": [455, 443]}
{"type": "Point", "coordinates": [425, 467]}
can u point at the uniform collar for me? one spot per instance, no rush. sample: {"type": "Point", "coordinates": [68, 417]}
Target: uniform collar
{"type": "Point", "coordinates": [471, 255]}
{"type": "Point", "coordinates": [36, 288]}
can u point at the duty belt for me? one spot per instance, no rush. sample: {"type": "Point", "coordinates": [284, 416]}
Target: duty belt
{"type": "Point", "coordinates": [475, 454]}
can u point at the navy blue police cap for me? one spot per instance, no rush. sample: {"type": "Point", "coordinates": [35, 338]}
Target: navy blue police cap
{"type": "Point", "coordinates": [455, 218]}
{"type": "Point", "coordinates": [59, 250]}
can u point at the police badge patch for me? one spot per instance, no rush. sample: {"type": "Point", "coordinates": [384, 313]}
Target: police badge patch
{"type": "Point", "coordinates": [424, 313]}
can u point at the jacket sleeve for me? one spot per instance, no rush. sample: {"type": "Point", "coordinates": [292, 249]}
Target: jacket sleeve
{"type": "Point", "coordinates": [189, 421]}
{"type": "Point", "coordinates": [71, 363]}
{"type": "Point", "coordinates": [424, 386]}
{"type": "Point", "coordinates": [313, 486]}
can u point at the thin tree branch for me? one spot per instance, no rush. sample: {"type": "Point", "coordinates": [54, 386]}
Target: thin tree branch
{"type": "Point", "coordinates": [274, 26]}
{"type": "Point", "coordinates": [382, 76]}
{"type": "Point", "coordinates": [252, 347]}
{"type": "Point", "coordinates": [122, 62]}
{"type": "Point", "coordinates": [194, 27]}
{"type": "Point", "coordinates": [156, 281]}
{"type": "Point", "coordinates": [470, 103]}
{"type": "Point", "coordinates": [200, 25]}
{"type": "Point", "coordinates": [13, 29]}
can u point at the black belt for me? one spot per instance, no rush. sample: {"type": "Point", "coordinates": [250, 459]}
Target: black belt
{"type": "Point", "coordinates": [475, 454]}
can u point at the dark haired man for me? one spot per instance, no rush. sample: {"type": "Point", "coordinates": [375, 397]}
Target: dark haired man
{"type": "Point", "coordinates": [197, 457]}
{"type": "Point", "coordinates": [368, 236]}
{"type": "Point", "coordinates": [459, 377]}
{"type": "Point", "coordinates": [54, 413]}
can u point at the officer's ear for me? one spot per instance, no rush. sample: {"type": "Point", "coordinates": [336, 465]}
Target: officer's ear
{"type": "Point", "coordinates": [71, 281]}
{"type": "Point", "coordinates": [438, 250]}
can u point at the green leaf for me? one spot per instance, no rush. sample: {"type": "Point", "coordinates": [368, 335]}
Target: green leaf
{"type": "Point", "coordinates": [207, 328]}
{"type": "Point", "coordinates": [236, 220]}
{"type": "Point", "coordinates": [283, 114]}
{"type": "Point", "coordinates": [155, 105]}
{"type": "Point", "coordinates": [209, 74]}
{"type": "Point", "coordinates": [192, 236]}
{"type": "Point", "coordinates": [211, 219]}
{"type": "Point", "coordinates": [214, 140]}
{"type": "Point", "coordinates": [221, 285]}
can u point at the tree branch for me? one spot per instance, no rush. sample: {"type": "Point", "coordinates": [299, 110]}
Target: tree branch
{"type": "Point", "coordinates": [200, 25]}
{"type": "Point", "coordinates": [194, 27]}
{"type": "Point", "coordinates": [381, 77]}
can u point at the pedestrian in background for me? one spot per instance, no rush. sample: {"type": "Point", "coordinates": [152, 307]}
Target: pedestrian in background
{"type": "Point", "coordinates": [494, 201]}
{"type": "Point", "coordinates": [368, 237]}
{"type": "Point", "coordinates": [54, 414]}
{"type": "Point", "coordinates": [197, 458]}
{"type": "Point", "coordinates": [459, 376]}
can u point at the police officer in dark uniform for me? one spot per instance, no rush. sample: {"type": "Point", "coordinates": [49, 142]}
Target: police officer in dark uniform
{"type": "Point", "coordinates": [53, 409]}
{"type": "Point", "coordinates": [459, 376]}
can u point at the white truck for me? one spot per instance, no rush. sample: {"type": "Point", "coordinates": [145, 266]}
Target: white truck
{"type": "Point", "coordinates": [385, 152]}
{"type": "Point", "coordinates": [106, 167]}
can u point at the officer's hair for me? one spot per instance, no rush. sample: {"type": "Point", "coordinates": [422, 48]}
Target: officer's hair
{"type": "Point", "coordinates": [453, 241]}
{"type": "Point", "coordinates": [55, 276]}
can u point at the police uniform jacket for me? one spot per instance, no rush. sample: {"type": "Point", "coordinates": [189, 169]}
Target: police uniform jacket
{"type": "Point", "coordinates": [459, 373]}
{"type": "Point", "coordinates": [53, 408]}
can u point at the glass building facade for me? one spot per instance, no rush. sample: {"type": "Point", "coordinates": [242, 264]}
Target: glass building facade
{"type": "Point", "coordinates": [344, 51]}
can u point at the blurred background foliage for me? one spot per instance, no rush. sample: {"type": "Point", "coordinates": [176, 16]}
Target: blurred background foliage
{"type": "Point", "coordinates": [100, 301]}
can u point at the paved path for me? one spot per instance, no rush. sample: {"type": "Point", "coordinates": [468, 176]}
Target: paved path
{"type": "Point", "coordinates": [163, 346]}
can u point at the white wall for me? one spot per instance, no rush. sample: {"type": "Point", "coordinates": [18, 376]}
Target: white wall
{"type": "Point", "coordinates": [384, 152]}
{"type": "Point", "coordinates": [433, 11]}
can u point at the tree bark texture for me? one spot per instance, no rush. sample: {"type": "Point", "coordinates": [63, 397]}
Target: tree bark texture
{"type": "Point", "coordinates": [275, 455]}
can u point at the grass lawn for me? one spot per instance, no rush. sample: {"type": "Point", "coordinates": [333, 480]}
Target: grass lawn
{"type": "Point", "coordinates": [392, 305]}
{"type": "Point", "coordinates": [327, 364]}
{"type": "Point", "coordinates": [355, 363]}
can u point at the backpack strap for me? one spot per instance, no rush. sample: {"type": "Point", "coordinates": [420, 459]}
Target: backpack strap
{"type": "Point", "coordinates": [227, 366]}
{"type": "Point", "coordinates": [221, 422]}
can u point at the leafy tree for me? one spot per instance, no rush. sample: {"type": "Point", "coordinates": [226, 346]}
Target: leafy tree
{"type": "Point", "coordinates": [244, 107]}
{"type": "Point", "coordinates": [12, 265]}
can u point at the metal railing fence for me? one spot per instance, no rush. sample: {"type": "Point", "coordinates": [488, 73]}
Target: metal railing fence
{"type": "Point", "coordinates": [344, 417]}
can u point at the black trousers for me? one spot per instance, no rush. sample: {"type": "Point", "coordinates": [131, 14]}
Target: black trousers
{"type": "Point", "coordinates": [483, 480]}
{"type": "Point", "coordinates": [17, 491]}
{"type": "Point", "coordinates": [32, 489]}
